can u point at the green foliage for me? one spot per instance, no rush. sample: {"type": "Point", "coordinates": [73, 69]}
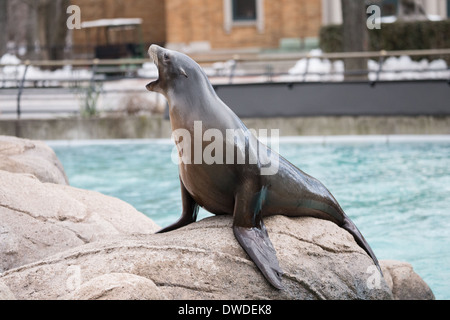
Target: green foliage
{"type": "Point", "coordinates": [394, 36]}
{"type": "Point", "coordinates": [90, 102]}
{"type": "Point", "coordinates": [331, 39]}
{"type": "Point", "coordinates": [88, 97]}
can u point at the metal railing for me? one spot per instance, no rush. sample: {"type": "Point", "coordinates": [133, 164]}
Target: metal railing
{"type": "Point", "coordinates": [381, 56]}
{"type": "Point", "coordinates": [109, 70]}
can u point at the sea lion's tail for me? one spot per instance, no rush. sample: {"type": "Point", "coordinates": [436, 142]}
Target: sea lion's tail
{"type": "Point", "coordinates": [351, 227]}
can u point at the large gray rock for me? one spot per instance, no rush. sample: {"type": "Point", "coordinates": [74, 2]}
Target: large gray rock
{"type": "Point", "coordinates": [404, 283]}
{"type": "Point", "coordinates": [40, 219]}
{"type": "Point", "coordinates": [204, 261]}
{"type": "Point", "coordinates": [33, 157]}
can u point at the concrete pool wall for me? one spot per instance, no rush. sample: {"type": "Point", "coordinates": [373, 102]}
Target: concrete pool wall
{"type": "Point", "coordinates": [148, 127]}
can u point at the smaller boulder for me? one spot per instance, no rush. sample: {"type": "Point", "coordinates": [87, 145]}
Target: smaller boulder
{"type": "Point", "coordinates": [41, 219]}
{"type": "Point", "coordinates": [405, 284]}
{"type": "Point", "coordinates": [32, 157]}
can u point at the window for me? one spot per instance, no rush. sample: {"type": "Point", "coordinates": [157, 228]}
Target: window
{"type": "Point", "coordinates": [239, 13]}
{"type": "Point", "coordinates": [244, 10]}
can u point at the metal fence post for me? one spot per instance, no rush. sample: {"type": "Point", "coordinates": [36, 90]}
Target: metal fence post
{"type": "Point", "coordinates": [381, 61]}
{"type": "Point", "coordinates": [233, 69]}
{"type": "Point", "coordinates": [22, 83]}
{"type": "Point", "coordinates": [383, 54]}
{"type": "Point", "coordinates": [308, 57]}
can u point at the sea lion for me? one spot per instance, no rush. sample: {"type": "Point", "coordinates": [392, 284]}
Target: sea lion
{"type": "Point", "coordinates": [228, 187]}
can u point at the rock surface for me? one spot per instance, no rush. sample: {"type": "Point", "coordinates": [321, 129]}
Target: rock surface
{"type": "Point", "coordinates": [5, 292]}
{"type": "Point", "coordinates": [40, 219]}
{"type": "Point", "coordinates": [118, 286]}
{"type": "Point", "coordinates": [33, 157]}
{"type": "Point", "coordinates": [59, 242]}
{"type": "Point", "coordinates": [404, 282]}
{"type": "Point", "coordinates": [204, 261]}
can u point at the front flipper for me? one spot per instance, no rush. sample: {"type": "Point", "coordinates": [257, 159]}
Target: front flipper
{"type": "Point", "coordinates": [251, 234]}
{"type": "Point", "coordinates": [189, 214]}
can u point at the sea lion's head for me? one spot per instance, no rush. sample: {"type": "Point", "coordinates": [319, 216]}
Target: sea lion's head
{"type": "Point", "coordinates": [173, 67]}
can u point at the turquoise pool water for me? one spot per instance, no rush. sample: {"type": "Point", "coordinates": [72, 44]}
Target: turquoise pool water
{"type": "Point", "coordinates": [397, 191]}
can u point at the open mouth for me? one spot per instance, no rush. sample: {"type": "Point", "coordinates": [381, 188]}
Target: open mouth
{"type": "Point", "coordinates": [154, 56]}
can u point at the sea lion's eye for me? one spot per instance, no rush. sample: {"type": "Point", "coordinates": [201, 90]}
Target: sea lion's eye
{"type": "Point", "coordinates": [166, 57]}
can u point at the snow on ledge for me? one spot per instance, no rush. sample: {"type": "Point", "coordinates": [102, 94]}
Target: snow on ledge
{"type": "Point", "coordinates": [111, 23]}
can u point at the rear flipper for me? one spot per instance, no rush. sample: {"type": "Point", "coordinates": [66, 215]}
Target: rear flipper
{"type": "Point", "coordinates": [251, 232]}
{"type": "Point", "coordinates": [256, 243]}
{"type": "Point", "coordinates": [351, 227]}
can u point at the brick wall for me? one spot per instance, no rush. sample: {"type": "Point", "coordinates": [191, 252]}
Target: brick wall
{"type": "Point", "coordinates": [203, 20]}
{"type": "Point", "coordinates": [186, 21]}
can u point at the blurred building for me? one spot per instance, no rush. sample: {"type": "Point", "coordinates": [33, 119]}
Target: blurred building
{"type": "Point", "coordinates": [202, 25]}
{"type": "Point", "coordinates": [37, 29]}
{"type": "Point", "coordinates": [393, 9]}
{"type": "Point", "coordinates": [232, 25]}
{"type": "Point", "coordinates": [84, 41]}
{"type": "Point", "coordinates": [237, 24]}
